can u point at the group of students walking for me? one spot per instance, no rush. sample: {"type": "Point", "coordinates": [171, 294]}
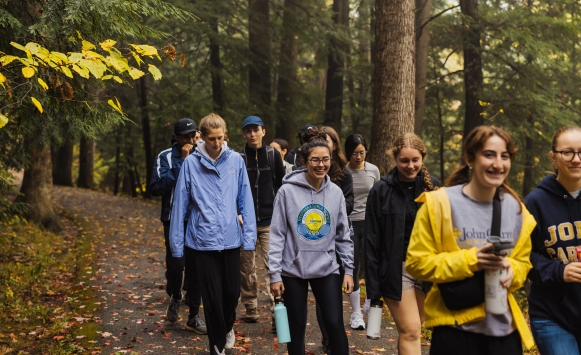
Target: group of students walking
{"type": "Point", "coordinates": [316, 211]}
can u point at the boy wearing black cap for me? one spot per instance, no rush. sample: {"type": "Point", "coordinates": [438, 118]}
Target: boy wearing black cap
{"type": "Point", "coordinates": [265, 173]}
{"type": "Point", "coordinates": [166, 170]}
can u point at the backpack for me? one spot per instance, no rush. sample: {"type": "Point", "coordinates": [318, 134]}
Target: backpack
{"type": "Point", "coordinates": [270, 159]}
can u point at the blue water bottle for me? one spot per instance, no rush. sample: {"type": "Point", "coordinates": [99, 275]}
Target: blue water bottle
{"type": "Point", "coordinates": [281, 319]}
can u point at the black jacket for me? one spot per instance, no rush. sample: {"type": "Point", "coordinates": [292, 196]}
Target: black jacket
{"type": "Point", "coordinates": [263, 186]}
{"type": "Point", "coordinates": [166, 170]}
{"type": "Point", "coordinates": [346, 186]}
{"type": "Point", "coordinates": [384, 236]}
{"type": "Point", "coordinates": [558, 217]}
{"type": "Point", "coordinates": [294, 157]}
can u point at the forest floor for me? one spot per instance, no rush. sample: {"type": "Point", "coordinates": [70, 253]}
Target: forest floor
{"type": "Point", "coordinates": [121, 309]}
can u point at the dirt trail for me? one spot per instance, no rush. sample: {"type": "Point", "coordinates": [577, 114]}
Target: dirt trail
{"type": "Point", "coordinates": [130, 304]}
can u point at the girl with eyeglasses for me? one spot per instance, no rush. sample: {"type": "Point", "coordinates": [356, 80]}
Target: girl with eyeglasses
{"type": "Point", "coordinates": [309, 226]}
{"type": "Point", "coordinates": [364, 175]}
{"type": "Point", "coordinates": [555, 294]}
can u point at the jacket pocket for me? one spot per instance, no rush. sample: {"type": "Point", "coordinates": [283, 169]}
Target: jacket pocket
{"type": "Point", "coordinates": [314, 264]}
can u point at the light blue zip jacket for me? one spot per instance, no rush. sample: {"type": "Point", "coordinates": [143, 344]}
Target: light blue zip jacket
{"type": "Point", "coordinates": [216, 191]}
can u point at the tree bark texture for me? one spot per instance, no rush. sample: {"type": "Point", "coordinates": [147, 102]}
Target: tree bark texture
{"type": "Point", "coordinates": [530, 164]}
{"type": "Point", "coordinates": [37, 189]}
{"type": "Point", "coordinates": [423, 10]}
{"type": "Point", "coordinates": [86, 159]}
{"type": "Point", "coordinates": [473, 79]}
{"type": "Point", "coordinates": [216, 71]}
{"type": "Point", "coordinates": [146, 132]}
{"type": "Point", "coordinates": [335, 67]}
{"type": "Point", "coordinates": [62, 165]}
{"type": "Point", "coordinates": [259, 67]}
{"type": "Point", "coordinates": [287, 74]}
{"type": "Point", "coordinates": [394, 78]}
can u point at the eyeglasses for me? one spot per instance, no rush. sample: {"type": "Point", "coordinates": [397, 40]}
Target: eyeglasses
{"type": "Point", "coordinates": [568, 155]}
{"type": "Point", "coordinates": [316, 161]}
{"type": "Point", "coordinates": [356, 154]}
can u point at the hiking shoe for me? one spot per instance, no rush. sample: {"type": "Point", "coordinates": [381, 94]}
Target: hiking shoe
{"type": "Point", "coordinates": [251, 315]}
{"type": "Point", "coordinates": [357, 321]}
{"type": "Point", "coordinates": [230, 339]}
{"type": "Point", "coordinates": [327, 348]}
{"type": "Point", "coordinates": [196, 325]}
{"type": "Point", "coordinates": [172, 310]}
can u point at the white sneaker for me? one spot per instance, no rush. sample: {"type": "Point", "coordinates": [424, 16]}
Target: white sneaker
{"type": "Point", "coordinates": [357, 321]}
{"type": "Point", "coordinates": [230, 339]}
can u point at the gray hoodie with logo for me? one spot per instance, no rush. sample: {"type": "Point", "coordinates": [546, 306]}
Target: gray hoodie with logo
{"type": "Point", "coordinates": [308, 227]}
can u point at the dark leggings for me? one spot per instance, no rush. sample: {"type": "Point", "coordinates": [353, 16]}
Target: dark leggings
{"type": "Point", "coordinates": [452, 341]}
{"type": "Point", "coordinates": [358, 243]}
{"type": "Point", "coordinates": [326, 289]}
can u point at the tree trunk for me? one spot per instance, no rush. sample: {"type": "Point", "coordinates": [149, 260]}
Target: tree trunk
{"type": "Point", "coordinates": [423, 10]}
{"type": "Point", "coordinates": [146, 134]}
{"type": "Point", "coordinates": [117, 170]}
{"type": "Point", "coordinates": [335, 67]}
{"type": "Point", "coordinates": [394, 78]}
{"type": "Point", "coordinates": [86, 158]}
{"type": "Point", "coordinates": [530, 164]}
{"type": "Point", "coordinates": [473, 79]}
{"type": "Point", "coordinates": [216, 70]}
{"type": "Point", "coordinates": [37, 189]}
{"type": "Point", "coordinates": [287, 74]}
{"type": "Point", "coordinates": [62, 165]}
{"type": "Point", "coordinates": [259, 68]}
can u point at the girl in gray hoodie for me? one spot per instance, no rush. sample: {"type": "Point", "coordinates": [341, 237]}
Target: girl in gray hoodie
{"type": "Point", "coordinates": [309, 224]}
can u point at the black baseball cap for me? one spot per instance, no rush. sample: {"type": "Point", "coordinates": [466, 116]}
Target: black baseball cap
{"type": "Point", "coordinates": [304, 130]}
{"type": "Point", "coordinates": [184, 126]}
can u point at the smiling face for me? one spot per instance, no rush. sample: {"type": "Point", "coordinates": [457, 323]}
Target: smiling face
{"type": "Point", "coordinates": [568, 141]}
{"type": "Point", "coordinates": [316, 173]}
{"type": "Point", "coordinates": [409, 162]}
{"type": "Point", "coordinates": [491, 165]}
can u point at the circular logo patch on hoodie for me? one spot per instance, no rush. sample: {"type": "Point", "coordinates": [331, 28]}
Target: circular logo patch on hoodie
{"type": "Point", "coordinates": [314, 223]}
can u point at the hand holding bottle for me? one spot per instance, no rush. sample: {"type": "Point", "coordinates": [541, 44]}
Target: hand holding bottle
{"type": "Point", "coordinates": [277, 288]}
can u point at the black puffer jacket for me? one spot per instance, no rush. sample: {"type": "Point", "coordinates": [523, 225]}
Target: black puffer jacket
{"type": "Point", "coordinates": [384, 236]}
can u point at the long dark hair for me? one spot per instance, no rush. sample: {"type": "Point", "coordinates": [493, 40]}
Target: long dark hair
{"type": "Point", "coordinates": [351, 143]}
{"type": "Point", "coordinates": [336, 172]}
{"type": "Point", "coordinates": [472, 145]}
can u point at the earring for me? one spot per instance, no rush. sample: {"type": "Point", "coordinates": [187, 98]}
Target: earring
{"type": "Point", "coordinates": [469, 167]}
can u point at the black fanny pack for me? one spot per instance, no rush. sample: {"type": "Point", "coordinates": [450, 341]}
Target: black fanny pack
{"type": "Point", "coordinates": [469, 292]}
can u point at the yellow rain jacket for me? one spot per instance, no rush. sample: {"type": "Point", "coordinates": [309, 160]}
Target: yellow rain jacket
{"type": "Point", "coordinates": [434, 256]}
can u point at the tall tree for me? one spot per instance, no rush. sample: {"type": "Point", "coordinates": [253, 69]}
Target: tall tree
{"type": "Point", "coordinates": [62, 165]}
{"type": "Point", "coordinates": [394, 78]}
{"type": "Point", "coordinates": [423, 10]}
{"type": "Point", "coordinates": [336, 66]}
{"type": "Point", "coordinates": [287, 73]}
{"type": "Point", "coordinates": [86, 161]}
{"type": "Point", "coordinates": [146, 132]}
{"type": "Point", "coordinates": [259, 65]}
{"type": "Point", "coordinates": [473, 78]}
{"type": "Point", "coordinates": [216, 70]}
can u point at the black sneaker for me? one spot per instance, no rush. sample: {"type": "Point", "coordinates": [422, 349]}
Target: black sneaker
{"type": "Point", "coordinates": [196, 325]}
{"type": "Point", "coordinates": [172, 310]}
{"type": "Point", "coordinates": [251, 315]}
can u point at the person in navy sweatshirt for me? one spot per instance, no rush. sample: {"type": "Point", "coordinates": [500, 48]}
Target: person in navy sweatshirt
{"type": "Point", "coordinates": [166, 170]}
{"type": "Point", "coordinates": [555, 295]}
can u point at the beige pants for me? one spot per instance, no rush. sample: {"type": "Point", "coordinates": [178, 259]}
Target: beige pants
{"type": "Point", "coordinates": [248, 278]}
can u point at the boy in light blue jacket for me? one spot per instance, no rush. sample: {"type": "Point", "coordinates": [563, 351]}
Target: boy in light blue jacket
{"type": "Point", "coordinates": [213, 185]}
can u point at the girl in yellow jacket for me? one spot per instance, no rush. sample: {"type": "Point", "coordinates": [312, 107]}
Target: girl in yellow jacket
{"type": "Point", "coordinates": [449, 243]}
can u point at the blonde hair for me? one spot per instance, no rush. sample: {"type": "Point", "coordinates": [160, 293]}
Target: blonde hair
{"type": "Point", "coordinates": [410, 140]}
{"type": "Point", "coordinates": [212, 121]}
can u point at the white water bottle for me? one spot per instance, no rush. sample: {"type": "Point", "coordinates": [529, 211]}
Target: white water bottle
{"type": "Point", "coordinates": [374, 319]}
{"type": "Point", "coordinates": [495, 295]}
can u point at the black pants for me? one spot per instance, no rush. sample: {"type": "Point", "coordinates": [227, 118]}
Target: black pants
{"type": "Point", "coordinates": [327, 291]}
{"type": "Point", "coordinates": [358, 243]}
{"type": "Point", "coordinates": [318, 309]}
{"type": "Point", "coordinates": [174, 274]}
{"type": "Point", "coordinates": [219, 276]}
{"type": "Point", "coordinates": [452, 341]}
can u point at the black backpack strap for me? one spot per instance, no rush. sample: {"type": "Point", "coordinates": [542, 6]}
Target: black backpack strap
{"type": "Point", "coordinates": [496, 214]}
{"type": "Point", "coordinates": [270, 158]}
{"type": "Point", "coordinates": [243, 155]}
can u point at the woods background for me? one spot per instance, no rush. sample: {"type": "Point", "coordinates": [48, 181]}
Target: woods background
{"type": "Point", "coordinates": [378, 68]}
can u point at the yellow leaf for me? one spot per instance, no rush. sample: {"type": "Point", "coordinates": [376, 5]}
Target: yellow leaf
{"type": "Point", "coordinates": [87, 45]}
{"type": "Point", "coordinates": [145, 49]}
{"type": "Point", "coordinates": [59, 58]}
{"type": "Point", "coordinates": [3, 120]}
{"type": "Point", "coordinates": [2, 78]}
{"type": "Point", "coordinates": [117, 79]}
{"type": "Point", "coordinates": [28, 72]}
{"type": "Point", "coordinates": [67, 71]}
{"type": "Point", "coordinates": [501, 111]}
{"type": "Point", "coordinates": [7, 59]}
{"type": "Point", "coordinates": [135, 73]}
{"type": "Point", "coordinates": [117, 61]}
{"type": "Point", "coordinates": [137, 58]}
{"type": "Point", "coordinates": [154, 72]}
{"type": "Point", "coordinates": [36, 103]}
{"type": "Point", "coordinates": [82, 71]}
{"type": "Point", "coordinates": [96, 67]}
{"type": "Point", "coordinates": [43, 84]}
{"type": "Point", "coordinates": [107, 77]}
{"type": "Point", "coordinates": [75, 57]}
{"type": "Point", "coordinates": [18, 46]}
{"type": "Point", "coordinates": [107, 44]}
{"type": "Point", "coordinates": [112, 104]}
{"type": "Point", "coordinates": [79, 34]}
{"type": "Point", "coordinates": [118, 103]}
{"type": "Point", "coordinates": [92, 55]}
